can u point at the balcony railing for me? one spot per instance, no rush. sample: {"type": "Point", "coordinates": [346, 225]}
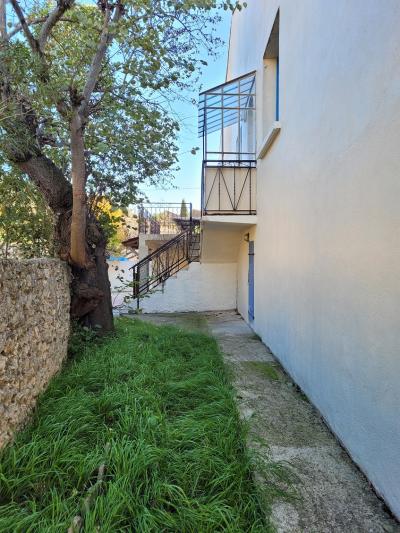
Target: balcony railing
{"type": "Point", "coordinates": [163, 218]}
{"type": "Point", "coordinates": [229, 187]}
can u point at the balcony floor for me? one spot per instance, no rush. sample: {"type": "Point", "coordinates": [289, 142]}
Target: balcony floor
{"type": "Point", "coordinates": [243, 220]}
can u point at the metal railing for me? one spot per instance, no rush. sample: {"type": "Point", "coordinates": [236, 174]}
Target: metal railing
{"type": "Point", "coordinates": [163, 218]}
{"type": "Point", "coordinates": [228, 187]}
{"type": "Point", "coordinates": [166, 261]}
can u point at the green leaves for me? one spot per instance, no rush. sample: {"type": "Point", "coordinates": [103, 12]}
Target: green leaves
{"type": "Point", "coordinates": [25, 221]}
{"type": "Point", "coordinates": [153, 58]}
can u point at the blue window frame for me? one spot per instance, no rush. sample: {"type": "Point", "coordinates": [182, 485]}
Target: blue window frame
{"type": "Point", "coordinates": [277, 90]}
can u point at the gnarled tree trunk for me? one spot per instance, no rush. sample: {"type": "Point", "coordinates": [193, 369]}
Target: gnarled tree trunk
{"type": "Point", "coordinates": [91, 295]}
{"type": "Point", "coordinates": [79, 238]}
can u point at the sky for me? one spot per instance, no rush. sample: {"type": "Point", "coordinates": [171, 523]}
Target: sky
{"type": "Point", "coordinates": [187, 180]}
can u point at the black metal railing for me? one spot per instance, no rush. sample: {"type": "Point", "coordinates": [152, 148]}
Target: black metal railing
{"type": "Point", "coordinates": [163, 218]}
{"type": "Point", "coordinates": [166, 261]}
{"type": "Point", "coordinates": [228, 187]}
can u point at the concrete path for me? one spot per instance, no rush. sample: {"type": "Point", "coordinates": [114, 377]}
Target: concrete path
{"type": "Point", "coordinates": [333, 495]}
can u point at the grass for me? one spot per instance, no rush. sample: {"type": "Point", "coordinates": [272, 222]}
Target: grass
{"type": "Point", "coordinates": [154, 405]}
{"type": "Point", "coordinates": [269, 370]}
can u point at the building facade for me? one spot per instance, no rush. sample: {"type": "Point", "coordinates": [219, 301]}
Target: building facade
{"type": "Point", "coordinates": [300, 209]}
{"type": "Point", "coordinates": [327, 240]}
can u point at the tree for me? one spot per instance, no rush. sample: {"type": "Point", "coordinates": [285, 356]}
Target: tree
{"type": "Point", "coordinates": [184, 210]}
{"type": "Point", "coordinates": [112, 221]}
{"type": "Point", "coordinates": [25, 220]}
{"type": "Point", "coordinates": [84, 92]}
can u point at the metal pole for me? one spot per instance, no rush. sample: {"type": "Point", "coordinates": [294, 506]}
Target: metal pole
{"type": "Point", "coordinates": [222, 124]}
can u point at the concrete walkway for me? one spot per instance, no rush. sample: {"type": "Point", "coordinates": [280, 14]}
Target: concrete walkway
{"type": "Point", "coordinates": [333, 495]}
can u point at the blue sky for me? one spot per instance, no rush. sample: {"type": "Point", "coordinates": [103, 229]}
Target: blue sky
{"type": "Point", "coordinates": [187, 180]}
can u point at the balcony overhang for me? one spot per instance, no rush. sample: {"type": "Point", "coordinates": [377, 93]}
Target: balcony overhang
{"type": "Point", "coordinates": [221, 237]}
{"type": "Point", "coordinates": [221, 106]}
{"type": "Point", "coordinates": [241, 221]}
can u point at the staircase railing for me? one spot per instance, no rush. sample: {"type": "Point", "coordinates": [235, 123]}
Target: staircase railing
{"type": "Point", "coordinates": [165, 262]}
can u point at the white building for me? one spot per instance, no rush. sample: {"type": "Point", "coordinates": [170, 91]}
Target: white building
{"type": "Point", "coordinates": [302, 235]}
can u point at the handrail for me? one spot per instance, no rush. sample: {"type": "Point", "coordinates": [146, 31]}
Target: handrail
{"type": "Point", "coordinates": [164, 262]}
{"type": "Point", "coordinates": [163, 247]}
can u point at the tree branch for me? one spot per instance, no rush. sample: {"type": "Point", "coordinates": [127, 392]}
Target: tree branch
{"type": "Point", "coordinates": [32, 21]}
{"type": "Point", "coordinates": [25, 27]}
{"type": "Point", "coordinates": [95, 68]}
{"type": "Point", "coordinates": [29, 21]}
{"type": "Point", "coordinates": [52, 19]}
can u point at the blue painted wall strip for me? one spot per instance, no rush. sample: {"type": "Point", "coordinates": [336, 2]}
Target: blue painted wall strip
{"type": "Point", "coordinates": [277, 90]}
{"type": "Point", "coordinates": [251, 280]}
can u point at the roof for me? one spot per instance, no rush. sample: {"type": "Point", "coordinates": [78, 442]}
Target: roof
{"type": "Point", "coordinates": [132, 242]}
{"type": "Point", "coordinates": [220, 106]}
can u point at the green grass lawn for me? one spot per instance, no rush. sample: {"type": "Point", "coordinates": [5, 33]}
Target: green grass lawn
{"type": "Point", "coordinates": [155, 406]}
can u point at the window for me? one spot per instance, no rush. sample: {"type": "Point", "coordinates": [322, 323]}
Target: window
{"type": "Point", "coordinates": [227, 120]}
{"type": "Point", "coordinates": [271, 78]}
{"type": "Point", "coordinates": [270, 90]}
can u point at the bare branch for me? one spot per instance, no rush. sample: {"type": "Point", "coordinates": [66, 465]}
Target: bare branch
{"type": "Point", "coordinates": [29, 21]}
{"type": "Point", "coordinates": [25, 27]}
{"type": "Point", "coordinates": [52, 19]}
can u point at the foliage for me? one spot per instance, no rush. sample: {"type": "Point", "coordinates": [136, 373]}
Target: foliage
{"type": "Point", "coordinates": [154, 405]}
{"type": "Point", "coordinates": [26, 223]}
{"type": "Point", "coordinates": [130, 135]}
{"type": "Point", "coordinates": [184, 210]}
{"type": "Point", "coordinates": [112, 222]}
{"type": "Point", "coordinates": [80, 338]}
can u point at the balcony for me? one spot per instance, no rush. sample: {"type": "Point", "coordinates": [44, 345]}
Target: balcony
{"type": "Point", "coordinates": [229, 188]}
{"type": "Point", "coordinates": [163, 218]}
{"type": "Point", "coordinates": [157, 223]}
{"type": "Point", "coordinates": [227, 128]}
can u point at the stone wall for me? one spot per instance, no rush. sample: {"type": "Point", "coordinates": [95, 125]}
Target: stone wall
{"type": "Point", "coordinates": [34, 329]}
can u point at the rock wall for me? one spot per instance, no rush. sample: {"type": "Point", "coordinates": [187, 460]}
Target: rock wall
{"type": "Point", "coordinates": [34, 329]}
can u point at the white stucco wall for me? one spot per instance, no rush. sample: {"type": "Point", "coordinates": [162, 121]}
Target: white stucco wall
{"type": "Point", "coordinates": [327, 260]}
{"type": "Point", "coordinates": [200, 287]}
{"type": "Point", "coordinates": [119, 289]}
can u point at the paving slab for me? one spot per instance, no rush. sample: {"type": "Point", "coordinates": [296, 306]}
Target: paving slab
{"type": "Point", "coordinates": [333, 494]}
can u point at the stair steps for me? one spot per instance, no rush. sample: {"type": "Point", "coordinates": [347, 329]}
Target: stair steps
{"type": "Point", "coordinates": [165, 262]}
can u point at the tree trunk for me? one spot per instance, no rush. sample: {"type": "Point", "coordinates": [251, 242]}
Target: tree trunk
{"type": "Point", "coordinates": [91, 294]}
{"type": "Point", "coordinates": [90, 287]}
{"type": "Point", "coordinates": [78, 254]}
